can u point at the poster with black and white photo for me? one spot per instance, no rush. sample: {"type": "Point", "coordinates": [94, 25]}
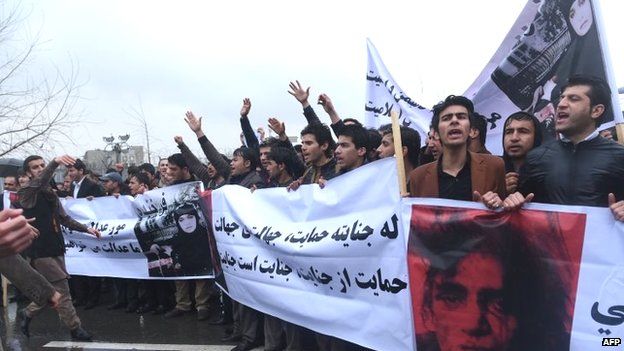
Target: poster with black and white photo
{"type": "Point", "coordinates": [160, 234]}
{"type": "Point", "coordinates": [550, 41]}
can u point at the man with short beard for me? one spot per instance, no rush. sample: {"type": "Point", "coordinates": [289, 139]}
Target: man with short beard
{"type": "Point", "coordinates": [47, 251]}
{"type": "Point", "coordinates": [581, 168]}
{"type": "Point", "coordinates": [521, 134]}
{"type": "Point", "coordinates": [162, 173]}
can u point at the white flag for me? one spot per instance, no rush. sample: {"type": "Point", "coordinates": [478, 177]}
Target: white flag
{"type": "Point", "coordinates": [384, 95]}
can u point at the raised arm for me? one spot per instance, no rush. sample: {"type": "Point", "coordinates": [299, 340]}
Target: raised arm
{"type": "Point", "coordinates": [280, 129]}
{"type": "Point", "coordinates": [194, 164]}
{"type": "Point", "coordinates": [28, 194]}
{"type": "Point", "coordinates": [250, 136]}
{"type": "Point", "coordinates": [302, 95]}
{"type": "Point", "coordinates": [222, 167]}
{"type": "Point", "coordinates": [336, 123]}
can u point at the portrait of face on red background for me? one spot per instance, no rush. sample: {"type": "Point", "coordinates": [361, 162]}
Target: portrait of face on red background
{"type": "Point", "coordinates": [482, 280]}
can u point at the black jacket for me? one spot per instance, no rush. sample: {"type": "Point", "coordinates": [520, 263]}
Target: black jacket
{"type": "Point", "coordinates": [88, 188]}
{"type": "Point", "coordinates": [562, 173]}
{"type": "Point", "coordinates": [40, 202]}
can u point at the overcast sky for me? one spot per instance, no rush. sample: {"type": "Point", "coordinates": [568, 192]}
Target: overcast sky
{"type": "Point", "coordinates": [208, 55]}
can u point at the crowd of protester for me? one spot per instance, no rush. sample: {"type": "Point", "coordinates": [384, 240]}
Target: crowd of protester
{"type": "Point", "coordinates": [579, 167]}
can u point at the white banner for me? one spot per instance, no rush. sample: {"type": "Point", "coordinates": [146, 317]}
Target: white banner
{"type": "Point", "coordinates": [331, 260]}
{"type": "Point", "coordinates": [384, 95]}
{"type": "Point", "coordinates": [550, 41]}
{"type": "Point", "coordinates": [158, 235]}
{"type": "Point", "coordinates": [569, 290]}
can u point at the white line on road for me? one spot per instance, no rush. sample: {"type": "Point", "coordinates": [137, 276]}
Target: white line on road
{"type": "Point", "coordinates": [130, 346]}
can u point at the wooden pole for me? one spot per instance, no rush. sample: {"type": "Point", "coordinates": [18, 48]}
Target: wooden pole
{"type": "Point", "coordinates": [619, 130]}
{"type": "Point", "coordinates": [398, 152]}
{"type": "Point", "coordinates": [5, 286]}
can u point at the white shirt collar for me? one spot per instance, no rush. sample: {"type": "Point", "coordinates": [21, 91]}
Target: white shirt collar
{"type": "Point", "coordinates": [77, 186]}
{"type": "Point", "coordinates": [593, 135]}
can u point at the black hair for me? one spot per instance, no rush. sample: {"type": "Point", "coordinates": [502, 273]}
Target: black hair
{"type": "Point", "coordinates": [141, 178]}
{"type": "Point", "coordinates": [269, 142]}
{"type": "Point", "coordinates": [133, 170]}
{"type": "Point", "coordinates": [374, 139]}
{"type": "Point", "coordinates": [450, 100]}
{"type": "Point", "coordinates": [175, 159]}
{"type": "Point", "coordinates": [359, 136]}
{"type": "Point", "coordinates": [352, 120]}
{"type": "Point", "coordinates": [385, 129]}
{"type": "Point", "coordinates": [149, 168]}
{"type": "Point", "coordinates": [409, 139]}
{"type": "Point", "coordinates": [322, 134]}
{"type": "Point", "coordinates": [79, 166]}
{"type": "Point", "coordinates": [28, 160]}
{"type": "Point", "coordinates": [248, 154]}
{"type": "Point", "coordinates": [599, 92]}
{"type": "Point", "coordinates": [287, 157]}
{"type": "Point", "coordinates": [297, 148]}
{"type": "Point", "coordinates": [538, 136]}
{"type": "Point", "coordinates": [478, 122]}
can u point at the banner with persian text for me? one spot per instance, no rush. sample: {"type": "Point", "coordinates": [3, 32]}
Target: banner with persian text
{"type": "Point", "coordinates": [161, 234]}
{"type": "Point", "coordinates": [550, 41]}
{"type": "Point", "coordinates": [331, 259]}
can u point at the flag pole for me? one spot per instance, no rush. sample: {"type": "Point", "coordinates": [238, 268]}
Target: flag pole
{"type": "Point", "coordinates": [619, 131]}
{"type": "Point", "coordinates": [398, 152]}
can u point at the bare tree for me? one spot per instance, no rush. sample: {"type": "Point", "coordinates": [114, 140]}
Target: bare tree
{"type": "Point", "coordinates": [36, 113]}
{"type": "Point", "coordinates": [138, 115]}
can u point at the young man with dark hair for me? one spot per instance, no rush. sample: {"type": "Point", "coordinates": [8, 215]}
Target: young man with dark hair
{"type": "Point", "coordinates": [87, 289]}
{"type": "Point", "coordinates": [242, 171]}
{"type": "Point", "coordinates": [459, 174]}
{"type": "Point", "coordinates": [582, 168]}
{"type": "Point", "coordinates": [410, 140]}
{"type": "Point", "coordinates": [521, 134]}
{"type": "Point", "coordinates": [212, 177]}
{"type": "Point", "coordinates": [351, 149]}
{"type": "Point", "coordinates": [113, 184]}
{"type": "Point", "coordinates": [374, 140]}
{"type": "Point", "coordinates": [47, 251]}
{"type": "Point", "coordinates": [243, 167]}
{"type": "Point", "coordinates": [150, 171]}
{"type": "Point", "coordinates": [283, 166]}
{"type": "Point", "coordinates": [317, 147]}
{"type": "Point", "coordinates": [83, 186]}
{"type": "Point", "coordinates": [205, 295]}
{"type": "Point", "coordinates": [478, 134]}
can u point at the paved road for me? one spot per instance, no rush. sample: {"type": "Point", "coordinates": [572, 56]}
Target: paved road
{"type": "Point", "coordinates": [113, 330]}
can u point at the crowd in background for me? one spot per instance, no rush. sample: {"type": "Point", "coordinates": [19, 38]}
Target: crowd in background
{"type": "Point", "coordinates": [578, 167]}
